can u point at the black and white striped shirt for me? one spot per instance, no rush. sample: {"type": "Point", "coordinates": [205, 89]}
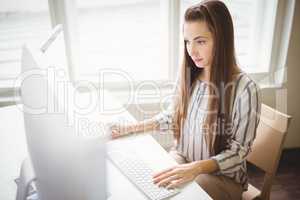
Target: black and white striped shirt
{"type": "Point", "coordinates": [245, 112]}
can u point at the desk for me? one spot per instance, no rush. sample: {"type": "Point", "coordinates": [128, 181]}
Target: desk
{"type": "Point", "coordinates": [118, 185]}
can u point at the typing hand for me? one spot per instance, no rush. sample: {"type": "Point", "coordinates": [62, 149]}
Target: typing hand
{"type": "Point", "coordinates": [117, 130]}
{"type": "Point", "coordinates": [176, 176]}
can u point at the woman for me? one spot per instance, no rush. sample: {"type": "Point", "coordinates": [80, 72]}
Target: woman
{"type": "Point", "coordinates": [215, 111]}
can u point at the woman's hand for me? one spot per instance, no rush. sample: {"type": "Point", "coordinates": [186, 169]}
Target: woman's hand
{"type": "Point", "coordinates": [178, 175]}
{"type": "Point", "coordinates": [118, 130]}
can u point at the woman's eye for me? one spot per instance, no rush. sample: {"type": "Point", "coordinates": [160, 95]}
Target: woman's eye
{"type": "Point", "coordinates": [201, 42]}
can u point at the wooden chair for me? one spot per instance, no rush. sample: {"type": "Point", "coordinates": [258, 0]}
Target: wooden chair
{"type": "Point", "coordinates": [266, 149]}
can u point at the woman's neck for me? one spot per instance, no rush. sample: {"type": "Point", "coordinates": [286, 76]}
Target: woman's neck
{"type": "Point", "coordinates": [204, 75]}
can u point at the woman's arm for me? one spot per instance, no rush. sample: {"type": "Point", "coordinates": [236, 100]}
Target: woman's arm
{"type": "Point", "coordinates": [246, 118]}
{"type": "Point", "coordinates": [206, 166]}
{"type": "Point", "coordinates": [119, 130]}
{"type": "Point", "coordinates": [162, 121]}
{"type": "Point", "coordinates": [141, 126]}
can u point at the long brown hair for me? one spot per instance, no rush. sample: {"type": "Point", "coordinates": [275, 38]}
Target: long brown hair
{"type": "Point", "coordinates": [224, 66]}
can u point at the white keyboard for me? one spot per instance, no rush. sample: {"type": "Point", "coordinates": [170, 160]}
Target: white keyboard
{"type": "Point", "coordinates": [140, 174]}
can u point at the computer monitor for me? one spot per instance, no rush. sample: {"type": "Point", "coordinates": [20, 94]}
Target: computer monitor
{"type": "Point", "coordinates": [67, 165]}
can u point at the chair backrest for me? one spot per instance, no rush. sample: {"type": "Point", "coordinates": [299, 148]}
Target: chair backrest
{"type": "Point", "coordinates": [268, 144]}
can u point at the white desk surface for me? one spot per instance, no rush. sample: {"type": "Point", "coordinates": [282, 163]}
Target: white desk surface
{"type": "Point", "coordinates": [13, 151]}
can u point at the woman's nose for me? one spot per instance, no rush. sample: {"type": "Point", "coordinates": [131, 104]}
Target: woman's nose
{"type": "Point", "coordinates": [193, 50]}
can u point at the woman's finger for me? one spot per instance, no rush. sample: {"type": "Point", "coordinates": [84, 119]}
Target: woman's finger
{"type": "Point", "coordinates": [162, 172]}
{"type": "Point", "coordinates": [166, 181]}
{"type": "Point", "coordinates": [165, 176]}
{"type": "Point", "coordinates": [115, 134]}
{"type": "Point", "coordinates": [176, 183]}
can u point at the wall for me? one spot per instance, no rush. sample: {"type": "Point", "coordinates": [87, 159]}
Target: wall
{"type": "Point", "coordinates": [292, 85]}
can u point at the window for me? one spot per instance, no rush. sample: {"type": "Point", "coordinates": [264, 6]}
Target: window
{"type": "Point", "coordinates": [125, 35]}
{"type": "Point", "coordinates": [20, 22]}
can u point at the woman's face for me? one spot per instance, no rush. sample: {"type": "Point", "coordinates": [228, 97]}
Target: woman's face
{"type": "Point", "coordinates": [199, 43]}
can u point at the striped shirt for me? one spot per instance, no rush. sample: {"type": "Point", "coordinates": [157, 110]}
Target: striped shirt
{"type": "Point", "coordinates": [245, 111]}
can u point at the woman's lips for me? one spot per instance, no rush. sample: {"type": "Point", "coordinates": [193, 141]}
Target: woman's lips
{"type": "Point", "coordinates": [198, 60]}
